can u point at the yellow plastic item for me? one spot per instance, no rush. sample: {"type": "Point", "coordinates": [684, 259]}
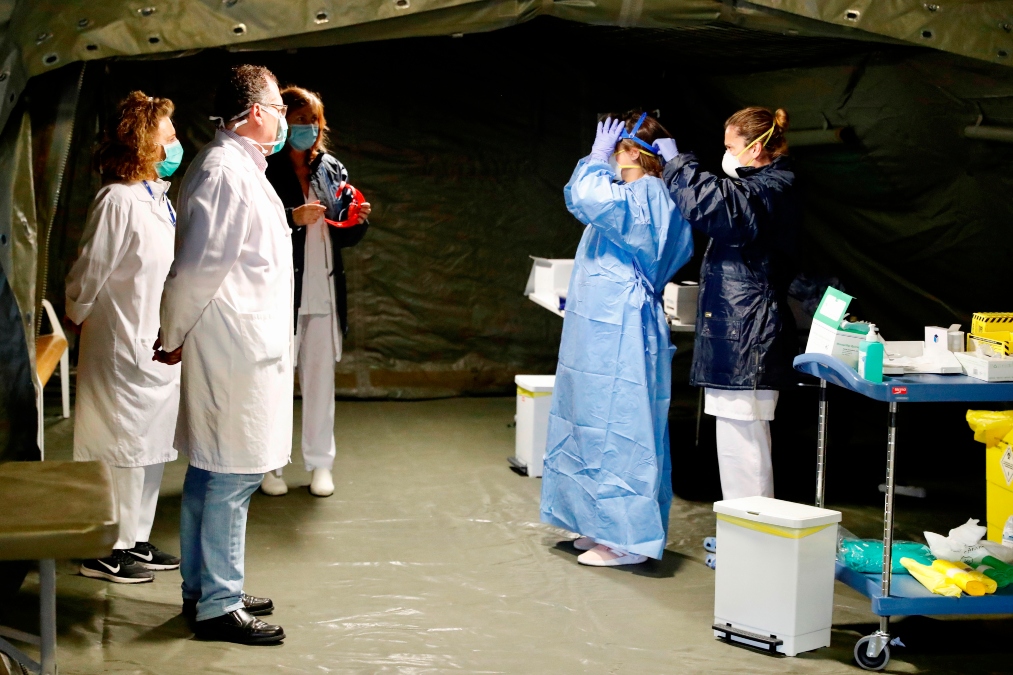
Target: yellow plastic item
{"type": "Point", "coordinates": [990, 426]}
{"type": "Point", "coordinates": [999, 346]}
{"type": "Point", "coordinates": [999, 508]}
{"type": "Point", "coordinates": [995, 430]}
{"type": "Point", "coordinates": [995, 532]}
{"type": "Point", "coordinates": [987, 322]}
{"type": "Point", "coordinates": [966, 579]}
{"type": "Point", "coordinates": [932, 579]}
{"type": "Point", "coordinates": [998, 465]}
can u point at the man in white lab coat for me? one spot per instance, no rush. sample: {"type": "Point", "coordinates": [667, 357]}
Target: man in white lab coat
{"type": "Point", "coordinates": [227, 314]}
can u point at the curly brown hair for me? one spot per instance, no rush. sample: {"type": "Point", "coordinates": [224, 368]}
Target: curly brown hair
{"type": "Point", "coordinates": [128, 151]}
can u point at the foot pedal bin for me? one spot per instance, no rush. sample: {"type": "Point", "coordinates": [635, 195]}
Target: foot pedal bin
{"type": "Point", "coordinates": [743, 638]}
{"type": "Point", "coordinates": [517, 465]}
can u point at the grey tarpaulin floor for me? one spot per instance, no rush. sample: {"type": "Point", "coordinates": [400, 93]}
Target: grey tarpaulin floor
{"type": "Point", "coordinates": [430, 559]}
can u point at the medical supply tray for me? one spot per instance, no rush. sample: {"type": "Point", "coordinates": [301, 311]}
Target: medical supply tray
{"type": "Point", "coordinates": [899, 595]}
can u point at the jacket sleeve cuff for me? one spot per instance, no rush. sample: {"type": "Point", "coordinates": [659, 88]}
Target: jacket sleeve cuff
{"type": "Point", "coordinates": [289, 218]}
{"type": "Point", "coordinates": [78, 311]}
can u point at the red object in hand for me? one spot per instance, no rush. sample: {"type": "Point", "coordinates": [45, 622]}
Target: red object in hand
{"type": "Point", "coordinates": [354, 206]}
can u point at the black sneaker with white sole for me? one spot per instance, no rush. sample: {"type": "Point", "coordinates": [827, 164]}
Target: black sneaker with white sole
{"type": "Point", "coordinates": [120, 568]}
{"type": "Point", "coordinates": [151, 558]}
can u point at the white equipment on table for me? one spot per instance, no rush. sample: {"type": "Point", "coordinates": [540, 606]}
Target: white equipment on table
{"type": "Point", "coordinates": [680, 305]}
{"type": "Point", "coordinates": [534, 399]}
{"type": "Point", "coordinates": [775, 574]}
{"type": "Point", "coordinates": [907, 357]}
{"type": "Point", "coordinates": [548, 282]}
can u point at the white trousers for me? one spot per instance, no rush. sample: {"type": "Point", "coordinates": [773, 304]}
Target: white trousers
{"type": "Point", "coordinates": [316, 380]}
{"type": "Point", "coordinates": [744, 458]}
{"type": "Point", "coordinates": [136, 494]}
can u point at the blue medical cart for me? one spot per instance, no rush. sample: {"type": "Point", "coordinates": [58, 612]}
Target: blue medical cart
{"type": "Point", "coordinates": [901, 595]}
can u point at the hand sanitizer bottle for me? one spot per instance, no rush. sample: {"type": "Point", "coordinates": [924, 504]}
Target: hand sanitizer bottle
{"type": "Point", "coordinates": [870, 356]}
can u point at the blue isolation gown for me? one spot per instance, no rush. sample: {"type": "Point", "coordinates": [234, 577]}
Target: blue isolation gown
{"type": "Point", "coordinates": [608, 469]}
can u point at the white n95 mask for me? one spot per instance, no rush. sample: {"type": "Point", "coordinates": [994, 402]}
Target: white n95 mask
{"type": "Point", "coordinates": [730, 164]}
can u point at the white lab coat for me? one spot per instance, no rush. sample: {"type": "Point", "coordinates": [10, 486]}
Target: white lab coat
{"type": "Point", "coordinates": [228, 301]}
{"type": "Point", "coordinates": [125, 412]}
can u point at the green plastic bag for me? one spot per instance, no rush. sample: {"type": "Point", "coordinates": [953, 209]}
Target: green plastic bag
{"type": "Point", "coordinates": [866, 555]}
{"type": "Point", "coordinates": [997, 571]}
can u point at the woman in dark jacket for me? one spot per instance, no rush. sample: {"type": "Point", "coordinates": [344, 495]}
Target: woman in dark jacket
{"type": "Point", "coordinates": [312, 185]}
{"type": "Point", "coordinates": [745, 334]}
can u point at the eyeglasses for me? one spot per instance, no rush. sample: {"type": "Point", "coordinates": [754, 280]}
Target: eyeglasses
{"type": "Point", "coordinates": [282, 109]}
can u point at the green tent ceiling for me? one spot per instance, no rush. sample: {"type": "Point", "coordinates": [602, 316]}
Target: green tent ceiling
{"type": "Point", "coordinates": [39, 35]}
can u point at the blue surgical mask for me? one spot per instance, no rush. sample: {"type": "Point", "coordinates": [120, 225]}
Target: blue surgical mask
{"type": "Point", "coordinates": [173, 156]}
{"type": "Point", "coordinates": [303, 136]}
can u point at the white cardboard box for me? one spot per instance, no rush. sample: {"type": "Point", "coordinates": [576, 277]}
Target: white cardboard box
{"type": "Point", "coordinates": [548, 283]}
{"type": "Point", "coordinates": [681, 301]}
{"type": "Point", "coordinates": [983, 368]}
{"type": "Point", "coordinates": [826, 340]}
{"type": "Point", "coordinates": [534, 399]}
{"type": "Point", "coordinates": [825, 337]}
{"type": "Point", "coordinates": [775, 575]}
{"type": "Point", "coordinates": [944, 339]}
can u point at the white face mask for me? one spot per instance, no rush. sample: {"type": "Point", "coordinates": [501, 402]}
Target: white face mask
{"type": "Point", "coordinates": [281, 134]}
{"type": "Point", "coordinates": [618, 168]}
{"type": "Point", "coordinates": [730, 164]}
{"type": "Point", "coordinates": [614, 165]}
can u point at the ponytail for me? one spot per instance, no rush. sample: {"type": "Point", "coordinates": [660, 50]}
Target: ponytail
{"type": "Point", "coordinates": [754, 122]}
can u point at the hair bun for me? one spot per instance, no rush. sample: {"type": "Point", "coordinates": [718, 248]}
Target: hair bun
{"type": "Point", "coordinates": [781, 119]}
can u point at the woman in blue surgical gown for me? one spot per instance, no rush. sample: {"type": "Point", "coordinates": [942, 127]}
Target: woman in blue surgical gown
{"type": "Point", "coordinates": [607, 472]}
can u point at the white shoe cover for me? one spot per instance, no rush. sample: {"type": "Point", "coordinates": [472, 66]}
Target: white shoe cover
{"type": "Point", "coordinates": [322, 484]}
{"type": "Point", "coordinates": [584, 543]}
{"type": "Point", "coordinates": [603, 556]}
{"type": "Point", "coordinates": [273, 485]}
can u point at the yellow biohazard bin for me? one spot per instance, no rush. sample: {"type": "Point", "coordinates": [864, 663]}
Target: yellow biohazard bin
{"type": "Point", "coordinates": [995, 430]}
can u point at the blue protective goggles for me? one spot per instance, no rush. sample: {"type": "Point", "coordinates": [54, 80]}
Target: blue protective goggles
{"type": "Point", "coordinates": [653, 149]}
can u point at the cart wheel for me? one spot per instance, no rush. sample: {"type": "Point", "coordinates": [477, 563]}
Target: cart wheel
{"type": "Point", "coordinates": [871, 663]}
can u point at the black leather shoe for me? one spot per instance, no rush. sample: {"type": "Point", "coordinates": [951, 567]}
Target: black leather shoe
{"type": "Point", "coordinates": [241, 627]}
{"type": "Point", "coordinates": [257, 606]}
{"type": "Point", "coordinates": [254, 605]}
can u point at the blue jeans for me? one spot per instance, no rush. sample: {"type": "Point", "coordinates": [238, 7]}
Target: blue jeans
{"type": "Point", "coordinates": [212, 538]}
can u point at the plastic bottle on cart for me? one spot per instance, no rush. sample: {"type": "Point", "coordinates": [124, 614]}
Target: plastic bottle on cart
{"type": "Point", "coordinates": [1007, 533]}
{"type": "Point", "coordinates": [870, 356]}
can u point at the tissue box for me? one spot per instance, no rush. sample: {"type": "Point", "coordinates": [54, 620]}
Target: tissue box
{"type": "Point", "coordinates": [825, 335]}
{"type": "Point", "coordinates": [983, 368]}
{"type": "Point", "coordinates": [944, 339]}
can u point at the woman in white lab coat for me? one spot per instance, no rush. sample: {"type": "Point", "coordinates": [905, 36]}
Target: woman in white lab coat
{"type": "Point", "coordinates": [125, 412]}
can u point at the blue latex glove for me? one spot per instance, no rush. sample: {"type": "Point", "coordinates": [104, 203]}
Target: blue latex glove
{"type": "Point", "coordinates": [669, 150]}
{"type": "Point", "coordinates": [606, 138]}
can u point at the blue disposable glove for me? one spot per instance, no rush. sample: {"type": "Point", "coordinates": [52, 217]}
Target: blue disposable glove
{"type": "Point", "coordinates": [668, 149]}
{"type": "Point", "coordinates": [606, 138]}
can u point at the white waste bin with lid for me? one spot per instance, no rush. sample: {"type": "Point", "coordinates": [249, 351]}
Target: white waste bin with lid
{"type": "Point", "coordinates": [775, 574]}
{"type": "Point", "coordinates": [534, 399]}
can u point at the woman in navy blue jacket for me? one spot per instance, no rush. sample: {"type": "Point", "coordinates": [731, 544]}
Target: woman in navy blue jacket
{"type": "Point", "coordinates": [311, 184]}
{"type": "Point", "coordinates": [745, 334]}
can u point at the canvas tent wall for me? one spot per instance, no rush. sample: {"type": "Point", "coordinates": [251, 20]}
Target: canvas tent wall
{"type": "Point", "coordinates": [463, 145]}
